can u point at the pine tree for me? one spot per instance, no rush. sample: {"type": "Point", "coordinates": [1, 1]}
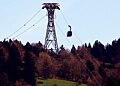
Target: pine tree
{"type": "Point", "coordinates": [29, 69]}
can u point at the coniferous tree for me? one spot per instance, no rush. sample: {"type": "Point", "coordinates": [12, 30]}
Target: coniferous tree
{"type": "Point", "coordinates": [89, 46]}
{"type": "Point", "coordinates": [13, 63]}
{"type": "Point", "coordinates": [98, 50]}
{"type": "Point", "coordinates": [29, 69]}
{"type": "Point", "coordinates": [90, 66]}
{"type": "Point", "coordinates": [73, 50]}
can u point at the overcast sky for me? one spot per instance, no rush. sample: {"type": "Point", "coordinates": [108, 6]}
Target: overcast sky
{"type": "Point", "coordinates": [90, 20]}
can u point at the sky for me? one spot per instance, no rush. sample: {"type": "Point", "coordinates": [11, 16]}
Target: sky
{"type": "Point", "coordinates": [91, 20]}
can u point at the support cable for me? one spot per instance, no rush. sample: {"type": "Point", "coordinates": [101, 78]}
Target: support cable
{"type": "Point", "coordinates": [98, 64]}
{"type": "Point", "coordinates": [91, 73]}
{"type": "Point", "coordinates": [68, 24]}
{"type": "Point", "coordinates": [95, 59]}
{"type": "Point", "coordinates": [78, 38]}
{"type": "Point", "coordinates": [62, 33]}
{"type": "Point", "coordinates": [24, 24]}
{"type": "Point", "coordinates": [64, 17]}
{"type": "Point", "coordinates": [29, 27]}
{"type": "Point", "coordinates": [81, 43]}
{"type": "Point", "coordinates": [117, 84]}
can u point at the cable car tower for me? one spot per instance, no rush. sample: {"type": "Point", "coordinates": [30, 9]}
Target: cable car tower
{"type": "Point", "coordinates": [51, 38]}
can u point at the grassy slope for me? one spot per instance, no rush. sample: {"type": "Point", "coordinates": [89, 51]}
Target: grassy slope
{"type": "Point", "coordinates": [50, 82]}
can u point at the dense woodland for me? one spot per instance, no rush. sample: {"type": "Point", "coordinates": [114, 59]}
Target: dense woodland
{"type": "Point", "coordinates": [94, 65]}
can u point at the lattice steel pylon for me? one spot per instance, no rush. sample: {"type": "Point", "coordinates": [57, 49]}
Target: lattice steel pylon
{"type": "Point", "coordinates": [51, 38]}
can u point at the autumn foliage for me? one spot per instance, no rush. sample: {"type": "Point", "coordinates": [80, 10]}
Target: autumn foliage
{"type": "Point", "coordinates": [97, 65]}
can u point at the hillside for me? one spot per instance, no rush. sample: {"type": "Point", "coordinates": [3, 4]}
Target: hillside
{"type": "Point", "coordinates": [54, 82]}
{"type": "Point", "coordinates": [21, 65]}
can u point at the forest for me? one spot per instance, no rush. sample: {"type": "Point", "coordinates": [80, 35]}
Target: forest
{"type": "Point", "coordinates": [94, 65]}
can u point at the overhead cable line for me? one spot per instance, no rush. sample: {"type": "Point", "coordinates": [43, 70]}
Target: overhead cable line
{"type": "Point", "coordinates": [94, 58]}
{"type": "Point", "coordinates": [91, 74]}
{"type": "Point", "coordinates": [64, 17]}
{"type": "Point", "coordinates": [68, 25]}
{"type": "Point", "coordinates": [82, 44]}
{"type": "Point", "coordinates": [24, 24]}
{"type": "Point", "coordinates": [117, 84]}
{"type": "Point", "coordinates": [33, 16]}
{"type": "Point", "coordinates": [62, 33]}
{"type": "Point", "coordinates": [78, 38]}
{"type": "Point", "coordinates": [29, 27]}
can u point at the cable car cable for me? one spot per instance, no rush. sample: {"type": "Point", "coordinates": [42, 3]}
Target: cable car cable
{"type": "Point", "coordinates": [82, 44]}
{"type": "Point", "coordinates": [64, 17]}
{"type": "Point", "coordinates": [33, 16]}
{"type": "Point", "coordinates": [77, 37]}
{"type": "Point", "coordinates": [63, 33]}
{"type": "Point", "coordinates": [117, 84]}
{"type": "Point", "coordinates": [70, 27]}
{"type": "Point", "coordinates": [24, 24]}
{"type": "Point", "coordinates": [29, 27]}
{"type": "Point", "coordinates": [97, 62]}
{"type": "Point", "coordinates": [91, 74]}
{"type": "Point", "coordinates": [69, 33]}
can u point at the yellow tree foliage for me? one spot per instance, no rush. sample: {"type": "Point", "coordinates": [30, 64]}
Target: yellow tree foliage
{"type": "Point", "coordinates": [45, 66]}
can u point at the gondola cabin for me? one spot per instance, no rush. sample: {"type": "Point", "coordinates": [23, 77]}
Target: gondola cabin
{"type": "Point", "coordinates": [69, 33]}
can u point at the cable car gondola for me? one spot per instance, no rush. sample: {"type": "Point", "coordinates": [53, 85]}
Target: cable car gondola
{"type": "Point", "coordinates": [69, 33]}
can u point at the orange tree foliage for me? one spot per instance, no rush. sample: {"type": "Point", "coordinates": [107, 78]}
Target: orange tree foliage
{"type": "Point", "coordinates": [45, 66]}
{"type": "Point", "coordinates": [96, 66]}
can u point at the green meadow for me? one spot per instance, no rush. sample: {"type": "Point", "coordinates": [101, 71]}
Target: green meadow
{"type": "Point", "coordinates": [56, 82]}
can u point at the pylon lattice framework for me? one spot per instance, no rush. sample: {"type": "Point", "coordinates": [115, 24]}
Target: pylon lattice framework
{"type": "Point", "coordinates": [51, 38]}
